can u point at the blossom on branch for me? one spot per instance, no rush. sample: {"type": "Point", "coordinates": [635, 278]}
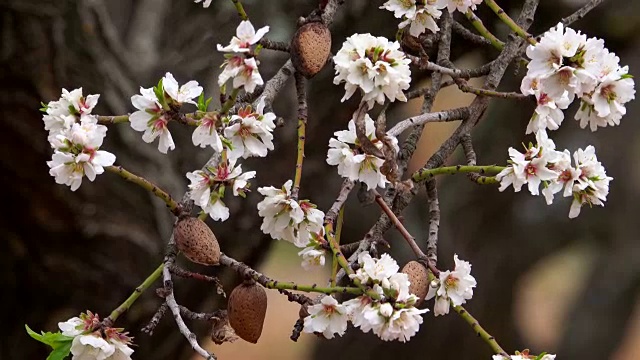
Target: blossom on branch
{"type": "Point", "coordinates": [586, 181]}
{"type": "Point", "coordinates": [241, 65]}
{"type": "Point", "coordinates": [93, 342]}
{"type": "Point", "coordinates": [181, 94]}
{"type": "Point", "coordinates": [205, 3]}
{"type": "Point", "coordinates": [353, 163]}
{"type": "Point", "coordinates": [374, 65]}
{"type": "Point", "coordinates": [566, 65]}
{"type": "Point", "coordinates": [246, 35]}
{"type": "Point", "coordinates": [419, 16]}
{"type": "Point", "coordinates": [151, 119]}
{"type": "Point", "coordinates": [250, 132]}
{"type": "Point", "coordinates": [461, 5]}
{"type": "Point", "coordinates": [207, 188]}
{"type": "Point", "coordinates": [206, 134]}
{"type": "Point", "coordinates": [452, 287]}
{"type": "Point", "coordinates": [328, 318]}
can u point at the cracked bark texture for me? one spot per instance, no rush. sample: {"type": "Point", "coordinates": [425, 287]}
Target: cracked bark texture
{"type": "Point", "coordinates": [65, 252]}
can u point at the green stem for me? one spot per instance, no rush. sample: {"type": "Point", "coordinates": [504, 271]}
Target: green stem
{"type": "Point", "coordinates": [480, 331]}
{"type": "Point", "coordinates": [134, 296]}
{"type": "Point", "coordinates": [425, 174]}
{"type": "Point", "coordinates": [230, 101]}
{"type": "Point", "coordinates": [334, 262]}
{"type": "Point", "coordinates": [509, 22]}
{"type": "Point", "coordinates": [147, 185]}
{"type": "Point", "coordinates": [240, 9]}
{"type": "Point", "coordinates": [483, 31]}
{"type": "Point", "coordinates": [313, 288]}
{"type": "Point", "coordinates": [108, 120]}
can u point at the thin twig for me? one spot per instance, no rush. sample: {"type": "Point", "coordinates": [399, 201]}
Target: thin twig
{"type": "Point", "coordinates": [447, 115]}
{"type": "Point", "coordinates": [155, 320]}
{"type": "Point", "coordinates": [580, 13]}
{"type": "Point", "coordinates": [434, 220]}
{"type": "Point", "coordinates": [302, 126]}
{"type": "Point", "coordinates": [274, 45]}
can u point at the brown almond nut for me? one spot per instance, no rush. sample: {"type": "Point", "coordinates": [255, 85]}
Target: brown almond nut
{"type": "Point", "coordinates": [310, 48]}
{"type": "Point", "coordinates": [196, 241]}
{"type": "Point", "coordinates": [418, 279]}
{"type": "Point", "coordinates": [247, 308]}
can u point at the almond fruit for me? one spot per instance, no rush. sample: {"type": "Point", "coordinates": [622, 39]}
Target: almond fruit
{"type": "Point", "coordinates": [310, 48]}
{"type": "Point", "coordinates": [196, 241]}
{"type": "Point", "coordinates": [418, 279]}
{"type": "Point", "coordinates": [247, 308]}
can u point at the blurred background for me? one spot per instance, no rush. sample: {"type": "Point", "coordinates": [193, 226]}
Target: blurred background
{"type": "Point", "coordinates": [545, 282]}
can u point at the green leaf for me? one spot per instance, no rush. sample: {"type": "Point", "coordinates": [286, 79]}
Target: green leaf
{"type": "Point", "coordinates": [539, 357]}
{"type": "Point", "coordinates": [61, 352]}
{"type": "Point", "coordinates": [61, 344]}
{"type": "Point", "coordinates": [44, 107]}
{"type": "Point", "coordinates": [201, 102]}
{"type": "Point", "coordinates": [626, 76]}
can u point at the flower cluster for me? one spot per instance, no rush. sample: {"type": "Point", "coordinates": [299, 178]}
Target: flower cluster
{"type": "Point", "coordinates": [452, 287]}
{"type": "Point", "coordinates": [249, 132]}
{"type": "Point", "coordinates": [91, 341]}
{"type": "Point", "coordinates": [390, 313]}
{"type": "Point", "coordinates": [240, 64]}
{"type": "Point", "coordinates": [418, 15]}
{"type": "Point", "coordinates": [285, 218]}
{"type": "Point", "coordinates": [374, 65]}
{"type": "Point", "coordinates": [153, 103]}
{"type": "Point", "coordinates": [76, 137]}
{"type": "Point", "coordinates": [524, 355]}
{"type": "Point", "coordinates": [566, 65]}
{"type": "Point", "coordinates": [586, 181]}
{"type": "Point", "coordinates": [354, 164]}
{"type": "Point", "coordinates": [208, 187]}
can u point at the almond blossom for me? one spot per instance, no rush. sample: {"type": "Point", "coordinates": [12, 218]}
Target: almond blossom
{"type": "Point", "coordinates": [92, 341]}
{"type": "Point", "coordinates": [328, 317]}
{"type": "Point", "coordinates": [344, 151]}
{"type": "Point", "coordinates": [287, 219]}
{"type": "Point", "coordinates": [250, 133]}
{"type": "Point", "coordinates": [181, 94]}
{"type": "Point", "coordinates": [374, 65]}
{"type": "Point", "coordinates": [419, 16]}
{"type": "Point", "coordinates": [312, 257]}
{"type": "Point", "coordinates": [592, 185]}
{"type": "Point", "coordinates": [205, 3]}
{"type": "Point", "coordinates": [246, 36]}
{"type": "Point", "coordinates": [151, 119]}
{"type": "Point", "coordinates": [206, 133]}
{"type": "Point", "coordinates": [461, 5]}
{"type": "Point", "coordinates": [207, 188]}
{"type": "Point", "coordinates": [452, 287]}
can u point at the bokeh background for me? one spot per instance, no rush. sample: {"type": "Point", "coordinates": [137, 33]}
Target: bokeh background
{"type": "Point", "coordinates": [545, 282]}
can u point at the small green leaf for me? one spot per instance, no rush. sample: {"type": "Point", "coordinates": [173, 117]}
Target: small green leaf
{"type": "Point", "coordinates": [626, 76]}
{"type": "Point", "coordinates": [539, 357]}
{"type": "Point", "coordinates": [44, 107]}
{"type": "Point", "coordinates": [61, 344]}
{"type": "Point", "coordinates": [201, 102]}
{"type": "Point", "coordinates": [61, 352]}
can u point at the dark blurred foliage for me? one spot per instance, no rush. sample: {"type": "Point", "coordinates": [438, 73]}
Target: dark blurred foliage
{"type": "Point", "coordinates": [63, 252]}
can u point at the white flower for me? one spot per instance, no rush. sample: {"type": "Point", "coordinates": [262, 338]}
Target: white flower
{"type": "Point", "coordinates": [548, 113]}
{"type": "Point", "coordinates": [401, 325]}
{"type": "Point", "coordinates": [378, 269]}
{"type": "Point", "coordinates": [91, 347]}
{"type": "Point", "coordinates": [566, 177]}
{"type": "Point", "coordinates": [151, 119]}
{"type": "Point", "coordinates": [206, 134]}
{"type": "Point", "coordinates": [312, 258]}
{"type": "Point", "coordinates": [281, 213]}
{"type": "Point", "coordinates": [401, 8]}
{"type": "Point", "coordinates": [329, 318]}
{"type": "Point", "coordinates": [207, 188]}
{"type": "Point", "coordinates": [419, 16]}
{"type": "Point", "coordinates": [244, 72]}
{"type": "Point", "coordinates": [613, 92]}
{"type": "Point", "coordinates": [425, 18]}
{"type": "Point", "coordinates": [205, 4]}
{"type": "Point", "coordinates": [344, 152]}
{"type": "Point", "coordinates": [72, 327]}
{"type": "Point", "coordinates": [250, 133]}
{"type": "Point", "coordinates": [455, 287]}
{"type": "Point", "coordinates": [460, 5]}
{"type": "Point", "coordinates": [123, 351]}
{"type": "Point", "coordinates": [592, 185]}
{"type": "Point", "coordinates": [374, 65]}
{"type": "Point", "coordinates": [82, 105]}
{"type": "Point", "coordinates": [246, 36]}
{"type": "Point", "coordinates": [181, 94]}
